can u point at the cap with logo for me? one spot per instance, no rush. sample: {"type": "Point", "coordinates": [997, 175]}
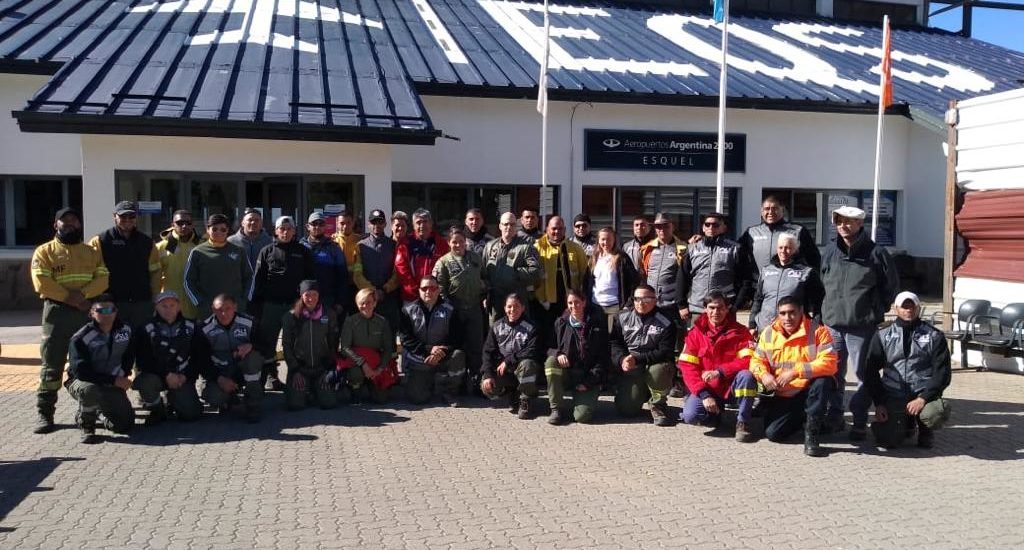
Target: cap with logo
{"type": "Point", "coordinates": [126, 207]}
{"type": "Point", "coordinates": [378, 214]}
{"type": "Point", "coordinates": [316, 217]}
{"type": "Point", "coordinates": [284, 220]}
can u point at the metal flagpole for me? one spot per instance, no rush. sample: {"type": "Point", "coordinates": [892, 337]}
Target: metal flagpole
{"type": "Point", "coordinates": [542, 99]}
{"type": "Point", "coordinates": [720, 176]}
{"type": "Point", "coordinates": [879, 133]}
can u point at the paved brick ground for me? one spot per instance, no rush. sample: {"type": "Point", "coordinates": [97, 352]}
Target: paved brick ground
{"type": "Point", "coordinates": [478, 478]}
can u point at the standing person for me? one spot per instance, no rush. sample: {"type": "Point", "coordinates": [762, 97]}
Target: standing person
{"type": "Point", "coordinates": [459, 274]}
{"type": "Point", "coordinates": [642, 345]}
{"type": "Point", "coordinates": [330, 265]}
{"type": "Point", "coordinates": [582, 235]}
{"type": "Point", "coordinates": [399, 225]}
{"type": "Point", "coordinates": [860, 283]}
{"type": "Point", "coordinates": [787, 275]}
{"type": "Point", "coordinates": [643, 233]}
{"type": "Point", "coordinates": [476, 232]}
{"type": "Point", "coordinates": [758, 241]}
{"type": "Point", "coordinates": [100, 362]}
{"type": "Point", "coordinates": [164, 351]}
{"type": "Point", "coordinates": [368, 350]}
{"type": "Point", "coordinates": [795, 362]}
{"type": "Point", "coordinates": [132, 261]}
{"type": "Point", "coordinates": [230, 362]}
{"type": "Point", "coordinates": [66, 274]}
{"type": "Point", "coordinates": [565, 267]}
{"type": "Point", "coordinates": [612, 277]}
{"type": "Point", "coordinates": [251, 236]}
{"type": "Point", "coordinates": [431, 356]}
{"type": "Point", "coordinates": [173, 251]}
{"type": "Point", "coordinates": [511, 355]}
{"type": "Point", "coordinates": [280, 267]}
{"type": "Point", "coordinates": [348, 240]}
{"type": "Point", "coordinates": [376, 269]}
{"type": "Point", "coordinates": [907, 368]}
{"type": "Point", "coordinates": [529, 225]}
{"type": "Point", "coordinates": [511, 265]}
{"type": "Point", "coordinates": [578, 361]}
{"type": "Point", "coordinates": [660, 259]}
{"type": "Point", "coordinates": [715, 364]}
{"type": "Point", "coordinates": [310, 340]}
{"type": "Point", "coordinates": [417, 253]}
{"type": "Point", "coordinates": [217, 267]}
{"type": "Point", "coordinates": [711, 264]}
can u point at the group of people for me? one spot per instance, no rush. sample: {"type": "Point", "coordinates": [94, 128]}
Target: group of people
{"type": "Point", "coordinates": [463, 312]}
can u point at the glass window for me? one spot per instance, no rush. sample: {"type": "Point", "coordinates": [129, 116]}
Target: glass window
{"type": "Point", "coordinates": [215, 196]}
{"type": "Point", "coordinates": [407, 197]}
{"type": "Point", "coordinates": [599, 204]}
{"type": "Point", "coordinates": [3, 210]}
{"type": "Point", "coordinates": [34, 200]}
{"type": "Point", "coordinates": [346, 191]}
{"type": "Point", "coordinates": [448, 205]}
{"type": "Point", "coordinates": [634, 202]}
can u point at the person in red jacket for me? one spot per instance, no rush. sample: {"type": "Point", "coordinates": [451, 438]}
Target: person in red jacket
{"type": "Point", "coordinates": [714, 363]}
{"type": "Point", "coordinates": [417, 253]}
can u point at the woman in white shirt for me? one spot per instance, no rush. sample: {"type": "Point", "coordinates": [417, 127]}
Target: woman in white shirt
{"type": "Point", "coordinates": [612, 275]}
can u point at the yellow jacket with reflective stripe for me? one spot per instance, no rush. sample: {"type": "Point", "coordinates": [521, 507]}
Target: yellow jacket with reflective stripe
{"type": "Point", "coordinates": [550, 258]}
{"type": "Point", "coordinates": [350, 246]}
{"type": "Point", "coordinates": [776, 351]}
{"type": "Point", "coordinates": [58, 268]}
{"type": "Point", "coordinates": [172, 269]}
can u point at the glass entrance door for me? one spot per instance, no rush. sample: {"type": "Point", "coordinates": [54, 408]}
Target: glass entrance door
{"type": "Point", "coordinates": [276, 196]}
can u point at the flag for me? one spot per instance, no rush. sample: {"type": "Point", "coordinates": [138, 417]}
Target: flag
{"type": "Point", "coordinates": [542, 80]}
{"type": "Point", "coordinates": [719, 10]}
{"type": "Point", "coordinates": [885, 87]}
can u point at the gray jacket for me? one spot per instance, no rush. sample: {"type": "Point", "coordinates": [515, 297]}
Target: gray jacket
{"type": "Point", "coordinates": [220, 342]}
{"type": "Point", "coordinates": [251, 247]}
{"type": "Point", "coordinates": [898, 369]}
{"type": "Point", "coordinates": [796, 279]}
{"type": "Point", "coordinates": [511, 343]}
{"type": "Point", "coordinates": [711, 264]}
{"type": "Point", "coordinates": [662, 272]}
{"type": "Point", "coordinates": [759, 242]}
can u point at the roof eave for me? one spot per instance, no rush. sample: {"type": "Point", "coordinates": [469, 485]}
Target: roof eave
{"type": "Point", "coordinates": [34, 66]}
{"type": "Point", "coordinates": [33, 121]}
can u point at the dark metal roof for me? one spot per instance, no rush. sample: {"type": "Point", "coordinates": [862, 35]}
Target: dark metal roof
{"type": "Point", "coordinates": [354, 69]}
{"type": "Point", "coordinates": [226, 68]}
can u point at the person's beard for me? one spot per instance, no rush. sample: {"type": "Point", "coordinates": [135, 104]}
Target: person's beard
{"type": "Point", "coordinates": [69, 235]}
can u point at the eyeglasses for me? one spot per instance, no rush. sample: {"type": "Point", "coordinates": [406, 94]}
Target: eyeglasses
{"type": "Point", "coordinates": [183, 223]}
{"type": "Point", "coordinates": [105, 310]}
{"type": "Point", "coordinates": [712, 224]}
{"type": "Point", "coordinates": [644, 299]}
{"type": "Point", "coordinates": [581, 226]}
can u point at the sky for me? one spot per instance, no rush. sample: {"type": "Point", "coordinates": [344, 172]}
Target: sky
{"type": "Point", "coordinates": [1002, 27]}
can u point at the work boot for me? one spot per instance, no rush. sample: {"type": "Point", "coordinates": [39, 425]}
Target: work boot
{"type": "Point", "coordinates": [513, 402]}
{"type": "Point", "coordinates": [157, 414]}
{"type": "Point", "coordinates": [659, 415]}
{"type": "Point", "coordinates": [524, 412]}
{"type": "Point", "coordinates": [87, 422]}
{"type": "Point", "coordinates": [89, 437]}
{"type": "Point", "coordinates": [925, 437]}
{"type": "Point", "coordinates": [743, 433]}
{"type": "Point", "coordinates": [450, 399]}
{"type": "Point", "coordinates": [557, 418]}
{"type": "Point", "coordinates": [44, 423]}
{"type": "Point", "coordinates": [812, 443]}
{"type": "Point", "coordinates": [858, 432]}
{"type": "Point", "coordinates": [252, 414]}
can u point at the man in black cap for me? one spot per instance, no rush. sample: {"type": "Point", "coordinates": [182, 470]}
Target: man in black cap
{"type": "Point", "coordinates": [331, 267]}
{"type": "Point", "coordinates": [133, 262]}
{"type": "Point", "coordinates": [376, 268]}
{"type": "Point", "coordinates": [582, 235]}
{"type": "Point", "coordinates": [66, 274]}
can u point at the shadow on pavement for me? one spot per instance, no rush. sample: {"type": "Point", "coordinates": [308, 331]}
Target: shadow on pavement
{"type": "Point", "coordinates": [18, 478]}
{"type": "Point", "coordinates": [276, 422]}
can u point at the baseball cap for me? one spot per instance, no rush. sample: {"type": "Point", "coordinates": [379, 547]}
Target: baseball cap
{"type": "Point", "coordinates": [284, 220]}
{"type": "Point", "coordinates": [851, 212]}
{"type": "Point", "coordinates": [906, 295]}
{"type": "Point", "coordinates": [126, 207]}
{"type": "Point", "coordinates": [661, 219]}
{"type": "Point", "coordinates": [65, 211]}
{"type": "Point", "coordinates": [165, 295]}
{"type": "Point", "coordinates": [316, 217]}
{"type": "Point", "coordinates": [378, 214]}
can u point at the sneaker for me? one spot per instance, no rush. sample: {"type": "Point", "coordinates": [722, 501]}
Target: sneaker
{"type": "Point", "coordinates": [89, 437]}
{"type": "Point", "coordinates": [557, 417]}
{"type": "Point", "coordinates": [44, 424]}
{"type": "Point", "coordinates": [743, 434]}
{"type": "Point", "coordinates": [450, 399]}
{"type": "Point", "coordinates": [677, 392]}
{"type": "Point", "coordinates": [524, 412]}
{"type": "Point", "coordinates": [659, 415]}
{"type": "Point", "coordinates": [273, 384]}
{"type": "Point", "coordinates": [858, 433]}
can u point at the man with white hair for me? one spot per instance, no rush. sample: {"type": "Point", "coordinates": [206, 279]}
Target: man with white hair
{"type": "Point", "coordinates": [860, 283]}
{"type": "Point", "coordinates": [785, 275]}
{"type": "Point", "coordinates": [907, 368]}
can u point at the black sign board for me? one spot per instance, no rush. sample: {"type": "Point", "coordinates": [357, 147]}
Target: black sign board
{"type": "Point", "coordinates": [662, 151]}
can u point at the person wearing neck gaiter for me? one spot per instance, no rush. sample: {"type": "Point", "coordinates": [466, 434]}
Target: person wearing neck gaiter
{"type": "Point", "coordinates": [907, 369]}
{"type": "Point", "coordinates": [578, 361]}
{"type": "Point", "coordinates": [217, 267]}
{"type": "Point", "coordinates": [310, 337]}
{"type": "Point", "coordinates": [173, 250]}
{"type": "Point", "coordinates": [66, 274]}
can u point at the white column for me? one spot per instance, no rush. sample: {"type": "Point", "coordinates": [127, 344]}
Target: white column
{"type": "Point", "coordinates": [97, 187]}
{"type": "Point", "coordinates": [377, 186]}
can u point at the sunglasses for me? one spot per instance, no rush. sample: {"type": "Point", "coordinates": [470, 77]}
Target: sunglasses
{"type": "Point", "coordinates": [105, 310]}
{"type": "Point", "coordinates": [183, 223]}
{"type": "Point", "coordinates": [712, 224]}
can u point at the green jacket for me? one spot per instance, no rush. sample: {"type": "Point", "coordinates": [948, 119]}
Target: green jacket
{"type": "Point", "coordinates": [513, 267]}
{"type": "Point", "coordinates": [360, 332]}
{"type": "Point", "coordinates": [460, 279]}
{"type": "Point", "coordinates": [217, 269]}
{"type": "Point", "coordinates": [309, 345]}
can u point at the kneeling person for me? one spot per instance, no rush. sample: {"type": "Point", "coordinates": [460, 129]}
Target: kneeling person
{"type": "Point", "coordinates": [579, 360]}
{"type": "Point", "coordinates": [231, 363]}
{"type": "Point", "coordinates": [429, 331]}
{"type": "Point", "coordinates": [908, 368]}
{"type": "Point", "coordinates": [368, 349]}
{"type": "Point", "coordinates": [510, 364]}
{"type": "Point", "coordinates": [164, 349]}
{"type": "Point", "coordinates": [795, 362]}
{"type": "Point", "coordinates": [642, 344]}
{"type": "Point", "coordinates": [715, 362]}
{"type": "Point", "coordinates": [100, 359]}
{"type": "Point", "coordinates": [310, 338]}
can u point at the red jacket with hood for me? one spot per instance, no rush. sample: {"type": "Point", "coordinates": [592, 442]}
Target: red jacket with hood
{"type": "Point", "coordinates": [415, 259]}
{"type": "Point", "coordinates": [727, 348]}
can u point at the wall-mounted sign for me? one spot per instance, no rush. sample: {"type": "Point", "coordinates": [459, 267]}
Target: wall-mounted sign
{"type": "Point", "coordinates": [661, 151]}
{"type": "Point", "coordinates": [150, 207]}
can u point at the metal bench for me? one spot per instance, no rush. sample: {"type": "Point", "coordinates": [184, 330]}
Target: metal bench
{"type": "Point", "coordinates": [963, 322]}
{"type": "Point", "coordinates": [1004, 333]}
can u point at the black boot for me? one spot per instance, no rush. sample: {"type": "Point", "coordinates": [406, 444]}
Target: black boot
{"type": "Point", "coordinates": [157, 414]}
{"type": "Point", "coordinates": [812, 443]}
{"type": "Point", "coordinates": [513, 402]}
{"type": "Point", "coordinates": [46, 403]}
{"type": "Point", "coordinates": [925, 436]}
{"type": "Point", "coordinates": [524, 411]}
{"type": "Point", "coordinates": [87, 422]}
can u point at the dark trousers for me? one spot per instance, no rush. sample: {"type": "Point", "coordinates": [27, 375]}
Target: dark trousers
{"type": "Point", "coordinates": [60, 322]}
{"type": "Point", "coordinates": [785, 416]}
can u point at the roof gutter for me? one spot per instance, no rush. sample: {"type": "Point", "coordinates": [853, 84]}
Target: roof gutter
{"type": "Point", "coordinates": [32, 121]}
